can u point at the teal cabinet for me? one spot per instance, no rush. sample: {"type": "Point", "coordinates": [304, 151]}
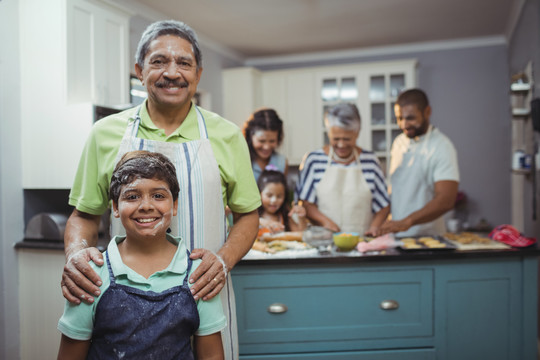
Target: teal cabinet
{"type": "Point", "coordinates": [420, 309]}
{"type": "Point", "coordinates": [487, 309]}
{"type": "Point", "coordinates": [415, 354]}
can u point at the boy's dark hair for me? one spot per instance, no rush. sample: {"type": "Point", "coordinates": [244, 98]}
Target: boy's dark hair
{"type": "Point", "coordinates": [272, 177]}
{"type": "Point", "coordinates": [413, 97]}
{"type": "Point", "coordinates": [143, 164]}
{"type": "Point", "coordinates": [262, 119]}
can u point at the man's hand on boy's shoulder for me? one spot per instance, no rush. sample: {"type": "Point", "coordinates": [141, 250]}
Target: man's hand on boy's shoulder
{"type": "Point", "coordinates": [209, 277]}
{"type": "Point", "coordinates": [79, 280]}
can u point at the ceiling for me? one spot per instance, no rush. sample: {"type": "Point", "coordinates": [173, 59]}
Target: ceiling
{"type": "Point", "coordinates": [266, 28]}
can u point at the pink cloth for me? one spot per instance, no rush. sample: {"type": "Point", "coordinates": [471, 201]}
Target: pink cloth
{"type": "Point", "coordinates": [379, 243]}
{"type": "Point", "coordinates": [511, 236]}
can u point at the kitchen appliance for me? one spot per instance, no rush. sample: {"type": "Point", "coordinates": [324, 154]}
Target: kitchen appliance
{"type": "Point", "coordinates": [46, 227]}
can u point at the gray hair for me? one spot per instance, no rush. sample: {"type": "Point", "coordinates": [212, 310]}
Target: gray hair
{"type": "Point", "coordinates": [344, 115]}
{"type": "Point", "coordinates": [167, 27]}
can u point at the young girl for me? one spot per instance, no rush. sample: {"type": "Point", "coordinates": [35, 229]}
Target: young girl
{"type": "Point", "coordinates": [145, 310]}
{"type": "Point", "coordinates": [264, 132]}
{"type": "Point", "coordinates": [274, 213]}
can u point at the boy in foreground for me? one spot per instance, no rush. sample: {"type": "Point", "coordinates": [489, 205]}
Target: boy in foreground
{"type": "Point", "coordinates": [145, 309]}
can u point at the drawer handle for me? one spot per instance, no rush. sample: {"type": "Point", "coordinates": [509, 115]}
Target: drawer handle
{"type": "Point", "coordinates": [389, 305]}
{"type": "Point", "coordinates": [277, 308]}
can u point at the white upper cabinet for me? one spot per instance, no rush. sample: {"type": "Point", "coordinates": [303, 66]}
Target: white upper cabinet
{"type": "Point", "coordinates": [241, 93]}
{"type": "Point", "coordinates": [302, 95]}
{"type": "Point", "coordinates": [97, 53]}
{"type": "Point", "coordinates": [292, 95]}
{"type": "Point", "coordinates": [74, 54]}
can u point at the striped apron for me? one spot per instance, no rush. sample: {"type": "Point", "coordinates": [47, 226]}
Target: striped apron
{"type": "Point", "coordinates": [201, 215]}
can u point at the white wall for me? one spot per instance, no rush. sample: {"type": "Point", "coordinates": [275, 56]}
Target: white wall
{"type": "Point", "coordinates": [11, 194]}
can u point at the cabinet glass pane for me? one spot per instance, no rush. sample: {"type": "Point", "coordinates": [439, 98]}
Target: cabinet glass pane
{"type": "Point", "coordinates": [393, 120]}
{"type": "Point", "coordinates": [397, 84]}
{"type": "Point", "coordinates": [349, 90]}
{"type": "Point", "coordinates": [378, 140]}
{"type": "Point", "coordinates": [378, 115]}
{"type": "Point", "coordinates": [329, 90]}
{"type": "Point", "coordinates": [377, 88]}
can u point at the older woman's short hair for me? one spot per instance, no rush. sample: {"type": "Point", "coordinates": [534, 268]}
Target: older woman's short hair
{"type": "Point", "coordinates": [343, 115]}
{"type": "Point", "coordinates": [167, 27]}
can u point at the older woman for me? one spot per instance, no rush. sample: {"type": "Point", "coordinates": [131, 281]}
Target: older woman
{"type": "Point", "coordinates": [264, 132]}
{"type": "Point", "coordinates": [341, 185]}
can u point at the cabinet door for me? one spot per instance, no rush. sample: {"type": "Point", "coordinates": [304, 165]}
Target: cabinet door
{"type": "Point", "coordinates": [333, 309]}
{"type": "Point", "coordinates": [97, 50]}
{"type": "Point", "coordinates": [382, 83]}
{"type": "Point", "coordinates": [58, 97]}
{"type": "Point", "coordinates": [241, 94]}
{"type": "Point", "coordinates": [303, 135]}
{"type": "Point", "coordinates": [80, 51]}
{"type": "Point", "coordinates": [292, 95]}
{"type": "Point", "coordinates": [480, 311]}
{"type": "Point", "coordinates": [111, 61]}
{"type": "Point", "coordinates": [414, 354]}
{"type": "Point", "coordinates": [40, 302]}
{"type": "Point", "coordinates": [336, 86]}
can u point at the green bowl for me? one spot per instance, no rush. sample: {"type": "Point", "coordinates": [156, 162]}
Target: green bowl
{"type": "Point", "coordinates": [346, 241]}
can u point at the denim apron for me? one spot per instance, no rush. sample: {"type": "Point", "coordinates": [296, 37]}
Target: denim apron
{"type": "Point", "coordinates": [135, 324]}
{"type": "Point", "coordinates": [201, 215]}
{"type": "Point", "coordinates": [344, 195]}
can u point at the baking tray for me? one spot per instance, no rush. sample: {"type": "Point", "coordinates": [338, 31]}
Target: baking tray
{"type": "Point", "coordinates": [487, 244]}
{"type": "Point", "coordinates": [421, 246]}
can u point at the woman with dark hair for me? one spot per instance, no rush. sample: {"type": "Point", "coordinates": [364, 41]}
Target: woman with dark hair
{"type": "Point", "coordinates": [264, 133]}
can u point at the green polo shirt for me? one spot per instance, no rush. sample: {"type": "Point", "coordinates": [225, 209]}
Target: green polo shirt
{"type": "Point", "coordinates": [91, 186]}
{"type": "Point", "coordinates": [77, 321]}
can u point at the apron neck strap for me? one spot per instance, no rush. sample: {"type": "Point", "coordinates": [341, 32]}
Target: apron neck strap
{"type": "Point", "coordinates": [331, 155]}
{"type": "Point", "coordinates": [203, 132]}
{"type": "Point", "coordinates": [426, 138]}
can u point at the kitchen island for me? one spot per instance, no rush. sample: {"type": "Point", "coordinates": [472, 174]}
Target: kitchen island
{"type": "Point", "coordinates": [389, 305]}
{"type": "Point", "coordinates": [392, 305]}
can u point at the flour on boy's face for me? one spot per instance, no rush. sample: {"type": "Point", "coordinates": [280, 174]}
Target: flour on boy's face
{"type": "Point", "coordinates": [146, 208]}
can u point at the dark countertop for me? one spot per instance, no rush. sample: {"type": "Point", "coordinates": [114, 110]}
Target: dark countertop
{"type": "Point", "coordinates": [45, 244]}
{"type": "Point", "coordinates": [390, 255]}
{"type": "Point", "coordinates": [394, 255]}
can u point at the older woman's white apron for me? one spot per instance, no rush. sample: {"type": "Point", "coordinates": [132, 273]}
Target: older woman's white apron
{"type": "Point", "coordinates": [201, 214]}
{"type": "Point", "coordinates": [343, 195]}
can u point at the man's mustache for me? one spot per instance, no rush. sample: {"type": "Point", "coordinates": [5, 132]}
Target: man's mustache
{"type": "Point", "coordinates": [172, 83]}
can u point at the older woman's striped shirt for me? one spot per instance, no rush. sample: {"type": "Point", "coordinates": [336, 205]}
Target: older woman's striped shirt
{"type": "Point", "coordinates": [314, 165]}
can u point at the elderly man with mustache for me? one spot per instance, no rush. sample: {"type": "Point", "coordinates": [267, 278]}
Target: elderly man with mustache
{"type": "Point", "coordinates": [212, 164]}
